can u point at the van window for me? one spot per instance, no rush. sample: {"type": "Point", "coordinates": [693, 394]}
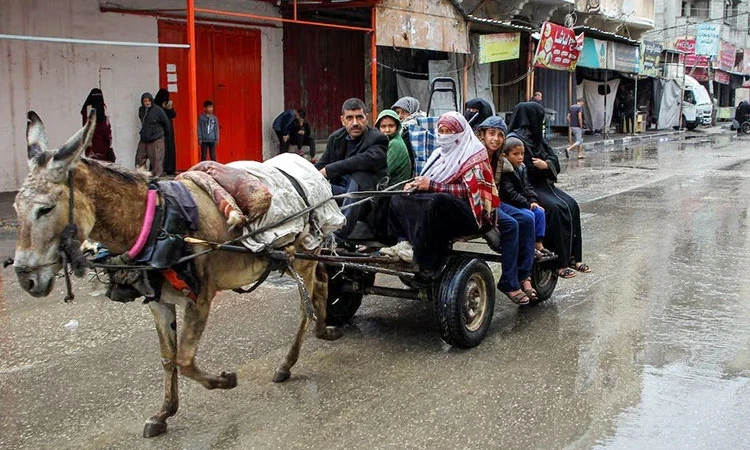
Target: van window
{"type": "Point", "coordinates": [689, 97]}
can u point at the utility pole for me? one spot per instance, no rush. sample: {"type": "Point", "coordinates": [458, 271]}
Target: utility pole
{"type": "Point", "coordinates": [682, 88]}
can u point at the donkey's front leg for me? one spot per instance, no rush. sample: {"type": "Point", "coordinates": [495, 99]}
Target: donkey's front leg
{"type": "Point", "coordinates": [196, 315]}
{"type": "Point", "coordinates": [166, 327]}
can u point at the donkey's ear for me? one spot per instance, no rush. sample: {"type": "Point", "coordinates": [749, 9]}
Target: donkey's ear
{"type": "Point", "coordinates": [36, 137]}
{"type": "Point", "coordinates": [69, 153]}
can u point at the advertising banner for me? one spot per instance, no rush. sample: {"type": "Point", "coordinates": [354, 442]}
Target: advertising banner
{"type": "Point", "coordinates": [626, 57]}
{"type": "Point", "coordinates": [558, 48]}
{"type": "Point", "coordinates": [707, 39]}
{"type": "Point", "coordinates": [727, 56]}
{"type": "Point", "coordinates": [691, 59]}
{"type": "Point", "coordinates": [499, 47]}
{"type": "Point", "coordinates": [594, 54]}
{"type": "Point", "coordinates": [651, 56]}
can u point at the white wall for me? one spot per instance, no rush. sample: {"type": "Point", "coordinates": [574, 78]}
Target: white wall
{"type": "Point", "coordinates": [54, 79]}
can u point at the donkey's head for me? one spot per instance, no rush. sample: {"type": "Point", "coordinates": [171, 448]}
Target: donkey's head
{"type": "Point", "coordinates": [42, 205]}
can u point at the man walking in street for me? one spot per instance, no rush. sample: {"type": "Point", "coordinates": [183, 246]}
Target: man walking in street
{"type": "Point", "coordinates": [575, 122]}
{"type": "Point", "coordinates": [354, 160]}
{"type": "Point", "coordinates": [154, 125]}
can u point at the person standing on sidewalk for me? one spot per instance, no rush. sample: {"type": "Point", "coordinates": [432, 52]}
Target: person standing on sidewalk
{"type": "Point", "coordinates": [154, 126]}
{"type": "Point", "coordinates": [282, 126]}
{"type": "Point", "coordinates": [575, 122]}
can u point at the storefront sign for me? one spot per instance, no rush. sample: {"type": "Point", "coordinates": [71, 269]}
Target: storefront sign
{"type": "Point", "coordinates": [651, 55]}
{"type": "Point", "coordinates": [727, 56]}
{"type": "Point", "coordinates": [707, 39]}
{"type": "Point", "coordinates": [746, 62]}
{"type": "Point", "coordinates": [626, 57]}
{"type": "Point", "coordinates": [688, 47]}
{"type": "Point", "coordinates": [594, 54]}
{"type": "Point", "coordinates": [559, 48]}
{"type": "Point", "coordinates": [499, 47]}
{"type": "Point", "coordinates": [721, 77]}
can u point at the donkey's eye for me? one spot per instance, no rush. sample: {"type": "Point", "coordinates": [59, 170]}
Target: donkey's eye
{"type": "Point", "coordinates": [44, 210]}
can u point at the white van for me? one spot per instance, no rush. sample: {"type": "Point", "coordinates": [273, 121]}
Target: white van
{"type": "Point", "coordinates": [697, 106]}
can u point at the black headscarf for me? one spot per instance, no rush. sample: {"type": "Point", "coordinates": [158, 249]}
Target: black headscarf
{"type": "Point", "coordinates": [484, 111]}
{"type": "Point", "coordinates": [161, 97]}
{"type": "Point", "coordinates": [526, 122]}
{"type": "Point", "coordinates": [96, 101]}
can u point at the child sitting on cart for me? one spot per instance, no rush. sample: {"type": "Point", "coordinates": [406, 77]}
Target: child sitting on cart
{"type": "Point", "coordinates": [516, 226]}
{"type": "Point", "coordinates": [457, 197]}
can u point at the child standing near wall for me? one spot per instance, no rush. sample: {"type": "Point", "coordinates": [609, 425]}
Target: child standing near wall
{"type": "Point", "coordinates": [208, 131]}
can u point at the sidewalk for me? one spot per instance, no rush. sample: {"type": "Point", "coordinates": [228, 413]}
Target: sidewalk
{"type": "Point", "coordinates": [590, 142]}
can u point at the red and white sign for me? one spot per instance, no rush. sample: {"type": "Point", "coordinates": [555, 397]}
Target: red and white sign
{"type": "Point", "coordinates": [688, 47]}
{"type": "Point", "coordinates": [727, 56]}
{"type": "Point", "coordinates": [559, 48]}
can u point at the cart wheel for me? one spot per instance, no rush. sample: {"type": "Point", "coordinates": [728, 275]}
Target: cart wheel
{"type": "Point", "coordinates": [745, 127]}
{"type": "Point", "coordinates": [465, 302]}
{"type": "Point", "coordinates": [342, 302]}
{"type": "Point", "coordinates": [544, 280]}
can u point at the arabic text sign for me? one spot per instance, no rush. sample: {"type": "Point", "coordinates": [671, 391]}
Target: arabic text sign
{"type": "Point", "coordinates": [499, 47]}
{"type": "Point", "coordinates": [727, 56]}
{"type": "Point", "coordinates": [707, 39]}
{"type": "Point", "coordinates": [651, 53]}
{"type": "Point", "coordinates": [558, 48]}
{"type": "Point", "coordinates": [688, 46]}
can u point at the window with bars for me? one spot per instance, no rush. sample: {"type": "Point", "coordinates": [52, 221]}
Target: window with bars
{"type": "Point", "coordinates": [700, 9]}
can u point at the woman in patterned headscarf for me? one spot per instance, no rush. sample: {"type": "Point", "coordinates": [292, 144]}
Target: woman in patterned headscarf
{"type": "Point", "coordinates": [456, 183]}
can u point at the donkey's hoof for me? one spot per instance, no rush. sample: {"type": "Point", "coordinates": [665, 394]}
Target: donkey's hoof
{"type": "Point", "coordinates": [331, 334]}
{"type": "Point", "coordinates": [154, 428]}
{"type": "Point", "coordinates": [281, 375]}
{"type": "Point", "coordinates": [230, 380]}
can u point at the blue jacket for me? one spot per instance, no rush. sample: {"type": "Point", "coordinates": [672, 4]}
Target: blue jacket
{"type": "Point", "coordinates": [208, 128]}
{"type": "Point", "coordinates": [283, 123]}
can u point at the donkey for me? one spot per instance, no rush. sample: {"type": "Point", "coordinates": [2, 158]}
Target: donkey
{"type": "Point", "coordinates": [108, 207]}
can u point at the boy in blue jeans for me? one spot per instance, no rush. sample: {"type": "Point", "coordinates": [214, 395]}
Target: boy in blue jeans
{"type": "Point", "coordinates": [516, 190]}
{"type": "Point", "coordinates": [208, 131]}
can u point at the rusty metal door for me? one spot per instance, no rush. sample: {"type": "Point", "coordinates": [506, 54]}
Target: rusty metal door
{"type": "Point", "coordinates": [322, 68]}
{"type": "Point", "coordinates": [229, 74]}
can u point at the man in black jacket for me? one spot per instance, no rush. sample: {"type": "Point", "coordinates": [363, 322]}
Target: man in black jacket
{"type": "Point", "coordinates": [354, 160]}
{"type": "Point", "coordinates": [154, 125]}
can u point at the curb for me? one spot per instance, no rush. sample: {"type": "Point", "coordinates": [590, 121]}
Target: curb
{"type": "Point", "coordinates": [621, 141]}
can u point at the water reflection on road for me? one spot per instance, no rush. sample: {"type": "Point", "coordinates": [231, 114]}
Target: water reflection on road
{"type": "Point", "coordinates": [649, 351]}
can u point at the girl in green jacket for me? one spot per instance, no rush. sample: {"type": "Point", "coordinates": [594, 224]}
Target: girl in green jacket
{"type": "Point", "coordinates": [399, 163]}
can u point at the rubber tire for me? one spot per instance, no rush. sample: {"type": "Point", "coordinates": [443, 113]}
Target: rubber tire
{"type": "Point", "coordinates": [340, 306]}
{"type": "Point", "coordinates": [745, 127]}
{"type": "Point", "coordinates": [691, 127]}
{"type": "Point", "coordinates": [544, 281]}
{"type": "Point", "coordinates": [448, 304]}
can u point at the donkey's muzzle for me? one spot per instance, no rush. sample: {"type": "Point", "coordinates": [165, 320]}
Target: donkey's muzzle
{"type": "Point", "coordinates": [37, 283]}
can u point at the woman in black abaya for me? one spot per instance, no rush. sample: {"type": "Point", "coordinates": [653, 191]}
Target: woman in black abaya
{"type": "Point", "coordinates": [562, 212]}
{"type": "Point", "coordinates": [162, 99]}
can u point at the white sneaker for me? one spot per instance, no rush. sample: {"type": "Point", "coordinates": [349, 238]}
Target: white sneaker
{"type": "Point", "coordinates": [405, 251]}
{"type": "Point", "coordinates": [389, 251]}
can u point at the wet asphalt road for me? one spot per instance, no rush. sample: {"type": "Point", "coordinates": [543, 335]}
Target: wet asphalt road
{"type": "Point", "coordinates": [650, 351]}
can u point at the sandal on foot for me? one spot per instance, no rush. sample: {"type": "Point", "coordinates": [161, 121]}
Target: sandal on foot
{"type": "Point", "coordinates": [566, 273]}
{"type": "Point", "coordinates": [530, 291]}
{"type": "Point", "coordinates": [519, 299]}
{"type": "Point", "coordinates": [581, 267]}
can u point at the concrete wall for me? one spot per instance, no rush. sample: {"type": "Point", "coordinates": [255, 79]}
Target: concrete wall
{"type": "Point", "coordinates": [54, 79]}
